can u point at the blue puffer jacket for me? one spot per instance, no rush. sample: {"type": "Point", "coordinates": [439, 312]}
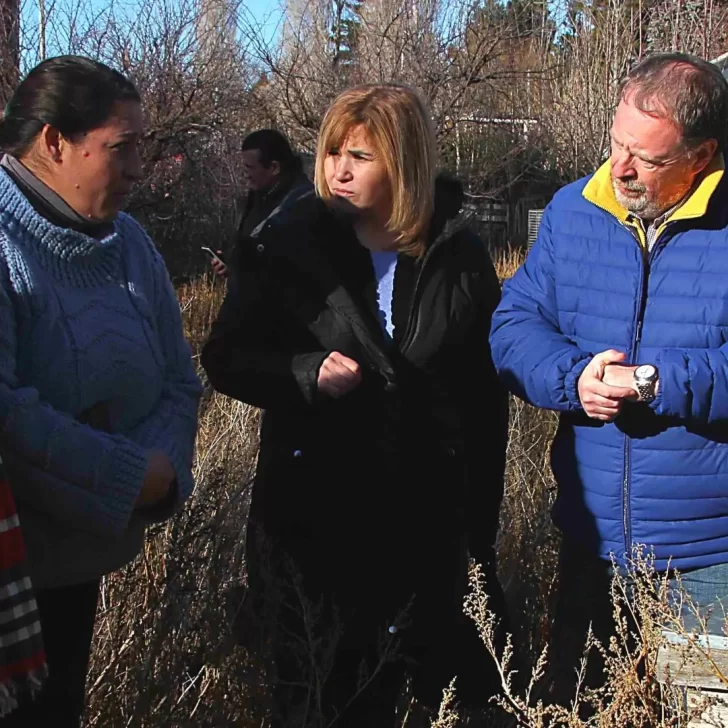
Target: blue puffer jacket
{"type": "Point", "coordinates": [657, 475]}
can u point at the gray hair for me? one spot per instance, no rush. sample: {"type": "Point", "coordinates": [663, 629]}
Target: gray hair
{"type": "Point", "coordinates": [685, 89]}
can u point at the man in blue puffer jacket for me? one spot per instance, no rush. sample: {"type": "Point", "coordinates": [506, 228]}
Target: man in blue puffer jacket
{"type": "Point", "coordinates": [619, 321]}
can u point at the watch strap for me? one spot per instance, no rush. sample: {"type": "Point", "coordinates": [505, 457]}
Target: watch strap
{"type": "Point", "coordinates": [647, 391]}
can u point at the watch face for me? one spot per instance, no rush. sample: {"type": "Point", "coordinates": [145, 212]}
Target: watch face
{"type": "Point", "coordinates": [646, 371]}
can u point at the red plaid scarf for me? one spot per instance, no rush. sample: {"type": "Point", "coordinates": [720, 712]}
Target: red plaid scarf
{"type": "Point", "coordinates": [22, 659]}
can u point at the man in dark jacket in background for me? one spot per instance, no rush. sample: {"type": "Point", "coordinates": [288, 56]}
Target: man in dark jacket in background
{"type": "Point", "coordinates": [618, 321]}
{"type": "Point", "coordinates": [272, 171]}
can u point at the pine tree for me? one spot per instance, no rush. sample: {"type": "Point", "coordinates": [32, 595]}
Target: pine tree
{"type": "Point", "coordinates": [345, 25]}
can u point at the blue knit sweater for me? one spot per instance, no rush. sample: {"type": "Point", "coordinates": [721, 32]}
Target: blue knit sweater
{"type": "Point", "coordinates": [90, 331]}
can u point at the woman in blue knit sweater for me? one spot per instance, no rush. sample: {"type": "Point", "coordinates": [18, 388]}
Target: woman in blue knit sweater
{"type": "Point", "coordinates": [98, 395]}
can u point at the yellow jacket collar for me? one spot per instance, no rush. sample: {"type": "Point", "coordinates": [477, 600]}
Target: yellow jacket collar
{"type": "Point", "coordinates": [599, 191]}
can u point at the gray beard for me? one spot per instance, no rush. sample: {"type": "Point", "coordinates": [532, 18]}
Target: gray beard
{"type": "Point", "coordinates": [641, 206]}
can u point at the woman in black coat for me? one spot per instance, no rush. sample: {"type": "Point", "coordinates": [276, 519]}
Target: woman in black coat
{"type": "Point", "coordinates": [359, 322]}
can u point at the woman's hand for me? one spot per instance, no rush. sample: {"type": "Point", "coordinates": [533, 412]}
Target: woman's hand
{"type": "Point", "coordinates": [97, 416]}
{"type": "Point", "coordinates": [157, 480]}
{"type": "Point", "coordinates": [219, 267]}
{"type": "Point", "coordinates": [338, 375]}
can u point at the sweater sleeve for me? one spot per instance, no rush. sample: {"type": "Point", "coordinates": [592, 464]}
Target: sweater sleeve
{"type": "Point", "coordinates": [99, 475]}
{"type": "Point", "coordinates": [172, 425]}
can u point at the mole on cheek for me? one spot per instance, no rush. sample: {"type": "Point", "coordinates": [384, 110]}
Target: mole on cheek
{"type": "Point", "coordinates": [86, 153]}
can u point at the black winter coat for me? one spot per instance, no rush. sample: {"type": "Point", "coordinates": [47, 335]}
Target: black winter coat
{"type": "Point", "coordinates": [259, 205]}
{"type": "Point", "coordinates": [410, 464]}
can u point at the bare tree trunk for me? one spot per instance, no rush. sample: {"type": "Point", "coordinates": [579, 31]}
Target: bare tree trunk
{"type": "Point", "coordinates": [9, 48]}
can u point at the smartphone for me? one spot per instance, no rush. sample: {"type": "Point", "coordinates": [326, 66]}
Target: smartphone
{"type": "Point", "coordinates": [213, 254]}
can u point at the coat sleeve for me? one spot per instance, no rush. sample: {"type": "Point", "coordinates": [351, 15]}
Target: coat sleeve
{"type": "Point", "coordinates": [693, 384]}
{"type": "Point", "coordinates": [172, 425]}
{"type": "Point", "coordinates": [244, 358]}
{"type": "Point", "coordinates": [486, 441]}
{"type": "Point", "coordinates": [533, 357]}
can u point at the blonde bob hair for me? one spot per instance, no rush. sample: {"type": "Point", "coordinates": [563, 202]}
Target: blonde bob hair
{"type": "Point", "coordinates": [398, 125]}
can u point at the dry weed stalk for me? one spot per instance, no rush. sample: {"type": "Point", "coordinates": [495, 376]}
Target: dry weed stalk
{"type": "Point", "coordinates": [447, 715]}
{"type": "Point", "coordinates": [507, 261]}
{"type": "Point", "coordinates": [634, 693]}
{"type": "Point", "coordinates": [295, 641]}
{"type": "Point", "coordinates": [165, 653]}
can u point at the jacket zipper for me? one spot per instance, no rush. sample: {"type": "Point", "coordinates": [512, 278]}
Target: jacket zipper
{"type": "Point", "coordinates": [632, 354]}
{"type": "Point", "coordinates": [641, 240]}
{"type": "Point", "coordinates": [647, 257]}
{"type": "Point", "coordinates": [414, 307]}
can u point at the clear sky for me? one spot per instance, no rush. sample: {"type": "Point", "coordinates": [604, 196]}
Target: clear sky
{"type": "Point", "coordinates": [267, 12]}
{"type": "Point", "coordinates": [263, 8]}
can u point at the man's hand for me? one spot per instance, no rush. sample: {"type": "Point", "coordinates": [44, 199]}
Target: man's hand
{"type": "Point", "coordinates": [620, 375]}
{"type": "Point", "coordinates": [338, 375]}
{"type": "Point", "coordinates": [602, 397]}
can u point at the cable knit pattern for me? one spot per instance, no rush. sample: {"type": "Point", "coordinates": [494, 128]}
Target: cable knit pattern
{"type": "Point", "coordinates": [88, 329]}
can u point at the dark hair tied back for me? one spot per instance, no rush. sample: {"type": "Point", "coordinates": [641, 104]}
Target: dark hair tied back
{"type": "Point", "coordinates": [71, 93]}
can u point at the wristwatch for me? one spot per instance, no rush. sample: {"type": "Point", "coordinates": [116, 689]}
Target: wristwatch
{"type": "Point", "coordinates": [645, 380]}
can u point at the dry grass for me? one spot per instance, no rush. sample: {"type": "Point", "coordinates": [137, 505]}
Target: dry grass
{"type": "Point", "coordinates": [506, 261]}
{"type": "Point", "coordinates": [164, 655]}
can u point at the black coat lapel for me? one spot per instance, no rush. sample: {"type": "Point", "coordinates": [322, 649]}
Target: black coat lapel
{"type": "Point", "coordinates": [307, 259]}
